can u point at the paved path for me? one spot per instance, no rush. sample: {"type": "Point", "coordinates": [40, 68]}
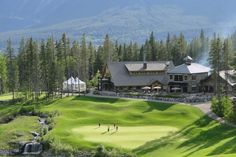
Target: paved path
{"type": "Point", "coordinates": [205, 107]}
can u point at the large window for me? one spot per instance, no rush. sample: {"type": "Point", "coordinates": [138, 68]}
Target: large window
{"type": "Point", "coordinates": [171, 77]}
{"type": "Point", "coordinates": [178, 78]}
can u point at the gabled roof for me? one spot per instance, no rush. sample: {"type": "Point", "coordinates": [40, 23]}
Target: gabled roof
{"type": "Point", "coordinates": [73, 80]}
{"type": "Point", "coordinates": [193, 68]}
{"type": "Point", "coordinates": [120, 75]}
{"type": "Point", "coordinates": [151, 66]}
{"type": "Point", "coordinates": [228, 75]}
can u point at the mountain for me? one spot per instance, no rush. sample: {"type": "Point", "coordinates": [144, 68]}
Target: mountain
{"type": "Point", "coordinates": [124, 19]}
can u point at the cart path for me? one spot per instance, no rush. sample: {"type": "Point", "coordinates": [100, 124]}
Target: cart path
{"type": "Point", "coordinates": [206, 108]}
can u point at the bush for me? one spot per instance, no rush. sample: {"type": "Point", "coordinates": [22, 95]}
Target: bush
{"type": "Point", "coordinates": [44, 131]}
{"type": "Point", "coordinates": [101, 152]}
{"type": "Point", "coordinates": [111, 152]}
{"type": "Point", "coordinates": [57, 147]}
{"type": "Point", "coordinates": [222, 106]}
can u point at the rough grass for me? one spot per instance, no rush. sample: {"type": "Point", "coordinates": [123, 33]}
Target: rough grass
{"type": "Point", "coordinates": [17, 130]}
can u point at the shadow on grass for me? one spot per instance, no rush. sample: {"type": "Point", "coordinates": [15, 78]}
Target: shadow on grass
{"type": "Point", "coordinates": [208, 135]}
{"type": "Point", "coordinates": [157, 106]}
{"type": "Point", "coordinates": [104, 132]}
{"type": "Point", "coordinates": [113, 133]}
{"type": "Point", "coordinates": [96, 99]}
{"type": "Point", "coordinates": [202, 134]}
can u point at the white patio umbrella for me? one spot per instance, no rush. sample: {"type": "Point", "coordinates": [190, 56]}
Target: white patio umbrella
{"type": "Point", "coordinates": [146, 88]}
{"type": "Point", "coordinates": [176, 88]}
{"type": "Point", "coordinates": [157, 87]}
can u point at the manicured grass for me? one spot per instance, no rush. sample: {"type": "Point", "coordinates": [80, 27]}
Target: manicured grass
{"type": "Point", "coordinates": [202, 138]}
{"type": "Point", "coordinates": [145, 128]}
{"type": "Point", "coordinates": [76, 112]}
{"type": "Point", "coordinates": [17, 130]}
{"type": "Point", "coordinates": [125, 137]}
{"type": "Point", "coordinates": [193, 134]}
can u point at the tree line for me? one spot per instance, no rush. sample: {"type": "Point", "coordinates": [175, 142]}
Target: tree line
{"type": "Point", "coordinates": [37, 67]}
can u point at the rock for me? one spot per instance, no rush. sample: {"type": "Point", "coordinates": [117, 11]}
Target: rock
{"type": "Point", "coordinates": [35, 134]}
{"type": "Point", "coordinates": [33, 148]}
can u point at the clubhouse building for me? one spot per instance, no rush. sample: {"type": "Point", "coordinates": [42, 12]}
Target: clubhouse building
{"type": "Point", "coordinates": [188, 77]}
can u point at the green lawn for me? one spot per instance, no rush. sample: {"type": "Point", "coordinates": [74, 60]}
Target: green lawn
{"type": "Point", "coordinates": [17, 130]}
{"type": "Point", "coordinates": [187, 131]}
{"type": "Point", "coordinates": [145, 128]}
{"type": "Point", "coordinates": [126, 137]}
{"type": "Point", "coordinates": [6, 97]}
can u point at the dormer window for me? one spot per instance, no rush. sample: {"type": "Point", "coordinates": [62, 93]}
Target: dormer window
{"type": "Point", "coordinates": [188, 60]}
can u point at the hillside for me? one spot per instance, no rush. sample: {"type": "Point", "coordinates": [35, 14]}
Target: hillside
{"type": "Point", "coordinates": [124, 24]}
{"type": "Point", "coordinates": [124, 20]}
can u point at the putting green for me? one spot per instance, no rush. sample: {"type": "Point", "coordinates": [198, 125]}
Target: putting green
{"type": "Point", "coordinates": [125, 137]}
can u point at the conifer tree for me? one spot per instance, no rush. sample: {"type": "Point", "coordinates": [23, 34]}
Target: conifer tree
{"type": "Point", "coordinates": [3, 73]}
{"type": "Point", "coordinates": [12, 69]}
{"type": "Point", "coordinates": [84, 62]}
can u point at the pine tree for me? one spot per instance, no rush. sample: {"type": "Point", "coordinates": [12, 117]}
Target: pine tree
{"type": "Point", "coordinates": [168, 47]}
{"type": "Point", "coordinates": [147, 52]}
{"type": "Point", "coordinates": [91, 51]}
{"type": "Point", "coordinates": [227, 59]}
{"type": "Point", "coordinates": [153, 48]}
{"type": "Point", "coordinates": [43, 66]}
{"type": "Point", "coordinates": [136, 52]}
{"type": "Point", "coordinates": [3, 73]}
{"type": "Point", "coordinates": [23, 66]}
{"type": "Point", "coordinates": [215, 62]}
{"type": "Point", "coordinates": [98, 65]}
{"type": "Point", "coordinates": [108, 50]}
{"type": "Point", "coordinates": [84, 62]}
{"type": "Point", "coordinates": [51, 66]}
{"type": "Point", "coordinates": [12, 69]}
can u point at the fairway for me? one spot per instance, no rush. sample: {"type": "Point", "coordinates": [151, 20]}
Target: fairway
{"type": "Point", "coordinates": [148, 129]}
{"type": "Point", "coordinates": [125, 137]}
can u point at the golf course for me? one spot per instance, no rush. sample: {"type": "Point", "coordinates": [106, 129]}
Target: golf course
{"type": "Point", "coordinates": [146, 129]}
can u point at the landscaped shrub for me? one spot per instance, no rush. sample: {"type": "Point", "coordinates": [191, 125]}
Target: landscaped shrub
{"type": "Point", "coordinates": [216, 107]}
{"type": "Point", "coordinates": [111, 152]}
{"type": "Point", "coordinates": [232, 115]}
{"type": "Point", "coordinates": [28, 110]}
{"type": "Point", "coordinates": [101, 152]}
{"type": "Point", "coordinates": [227, 106]}
{"type": "Point", "coordinates": [222, 106]}
{"type": "Point", "coordinates": [58, 148]}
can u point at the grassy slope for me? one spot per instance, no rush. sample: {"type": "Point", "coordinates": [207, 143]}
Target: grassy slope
{"type": "Point", "coordinates": [84, 111]}
{"type": "Point", "coordinates": [17, 130]}
{"type": "Point", "coordinates": [197, 135]}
